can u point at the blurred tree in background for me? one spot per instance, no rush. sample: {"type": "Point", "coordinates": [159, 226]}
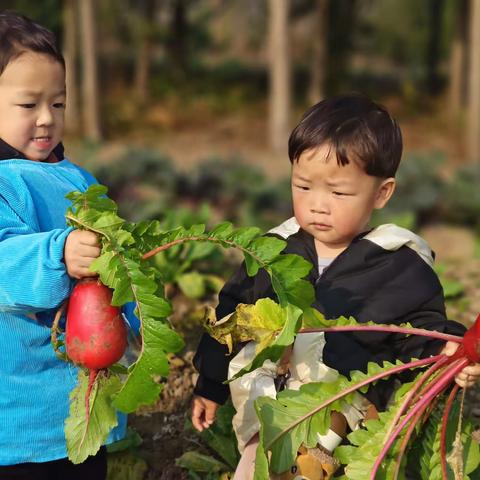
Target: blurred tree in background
{"type": "Point", "coordinates": [146, 71]}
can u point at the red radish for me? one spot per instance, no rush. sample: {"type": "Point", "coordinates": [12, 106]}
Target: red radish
{"type": "Point", "coordinates": [96, 335]}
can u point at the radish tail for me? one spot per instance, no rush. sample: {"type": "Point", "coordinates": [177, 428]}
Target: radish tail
{"type": "Point", "coordinates": [443, 431]}
{"type": "Point", "coordinates": [92, 377]}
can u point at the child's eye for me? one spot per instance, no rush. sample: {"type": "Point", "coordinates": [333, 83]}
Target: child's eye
{"type": "Point", "coordinates": [59, 105]}
{"type": "Point", "coordinates": [26, 105]}
{"type": "Point", "coordinates": [303, 187]}
{"type": "Point", "coordinates": [341, 194]}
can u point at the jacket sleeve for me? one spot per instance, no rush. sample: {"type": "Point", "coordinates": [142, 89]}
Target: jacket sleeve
{"type": "Point", "coordinates": [33, 275]}
{"type": "Point", "coordinates": [212, 359]}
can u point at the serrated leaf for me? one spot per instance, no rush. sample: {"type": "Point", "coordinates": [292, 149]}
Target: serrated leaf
{"type": "Point", "coordinates": [122, 268]}
{"type": "Point", "coordinates": [140, 387]}
{"type": "Point", "coordinates": [85, 438]}
{"type": "Point", "coordinates": [243, 236]}
{"type": "Point", "coordinates": [221, 231]}
{"type": "Point", "coordinates": [294, 418]}
{"type": "Point", "coordinates": [424, 457]}
{"type": "Point", "coordinates": [266, 248]}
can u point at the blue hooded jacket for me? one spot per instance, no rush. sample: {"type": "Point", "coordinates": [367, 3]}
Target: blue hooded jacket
{"type": "Point", "coordinates": [34, 384]}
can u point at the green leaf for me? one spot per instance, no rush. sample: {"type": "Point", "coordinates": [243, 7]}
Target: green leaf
{"type": "Point", "coordinates": [126, 466]}
{"type": "Point", "coordinates": [261, 460]}
{"type": "Point", "coordinates": [132, 439]}
{"type": "Point", "coordinates": [192, 284]}
{"type": "Point", "coordinates": [424, 457]}
{"type": "Point", "coordinates": [198, 462]}
{"type": "Point", "coordinates": [121, 267]}
{"type": "Point", "coordinates": [287, 272]}
{"type": "Point", "coordinates": [294, 419]}
{"type": "Point", "coordinates": [140, 387]}
{"type": "Point", "coordinates": [85, 438]}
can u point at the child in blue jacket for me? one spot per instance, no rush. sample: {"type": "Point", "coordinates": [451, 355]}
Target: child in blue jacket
{"type": "Point", "coordinates": [39, 257]}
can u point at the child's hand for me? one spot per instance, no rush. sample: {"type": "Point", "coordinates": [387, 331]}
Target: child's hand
{"type": "Point", "coordinates": [470, 375]}
{"type": "Point", "coordinates": [203, 412]}
{"type": "Point", "coordinates": [81, 249]}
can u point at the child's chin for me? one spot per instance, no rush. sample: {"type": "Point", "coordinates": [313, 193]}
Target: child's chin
{"type": "Point", "coordinates": [38, 157]}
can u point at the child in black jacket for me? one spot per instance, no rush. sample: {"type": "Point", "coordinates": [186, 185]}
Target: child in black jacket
{"type": "Point", "coordinates": [344, 153]}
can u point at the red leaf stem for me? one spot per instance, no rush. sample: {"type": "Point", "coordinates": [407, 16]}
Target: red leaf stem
{"type": "Point", "coordinates": [92, 378]}
{"type": "Point", "coordinates": [389, 329]}
{"type": "Point", "coordinates": [357, 386]}
{"type": "Point", "coordinates": [443, 431]}
{"type": "Point", "coordinates": [406, 439]}
{"type": "Point", "coordinates": [166, 246]}
{"type": "Point", "coordinates": [414, 390]}
{"type": "Point", "coordinates": [440, 383]}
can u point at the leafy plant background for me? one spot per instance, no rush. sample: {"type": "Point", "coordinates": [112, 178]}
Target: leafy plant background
{"type": "Point", "coordinates": [194, 275]}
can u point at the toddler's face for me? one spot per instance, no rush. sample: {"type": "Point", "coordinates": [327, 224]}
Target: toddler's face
{"type": "Point", "coordinates": [32, 104]}
{"type": "Point", "coordinates": [332, 202]}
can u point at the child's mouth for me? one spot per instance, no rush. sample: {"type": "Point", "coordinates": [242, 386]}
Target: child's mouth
{"type": "Point", "coordinates": [321, 226]}
{"type": "Point", "coordinates": [42, 142]}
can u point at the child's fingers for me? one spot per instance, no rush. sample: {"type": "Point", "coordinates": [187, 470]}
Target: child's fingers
{"type": "Point", "coordinates": [472, 370]}
{"type": "Point", "coordinates": [86, 237]}
{"type": "Point", "coordinates": [197, 414]}
{"type": "Point", "coordinates": [89, 252]}
{"type": "Point", "coordinates": [210, 413]}
{"type": "Point", "coordinates": [465, 380]}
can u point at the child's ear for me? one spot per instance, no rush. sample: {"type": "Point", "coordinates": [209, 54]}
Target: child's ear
{"type": "Point", "coordinates": [384, 192]}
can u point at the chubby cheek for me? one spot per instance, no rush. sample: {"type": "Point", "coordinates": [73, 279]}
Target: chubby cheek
{"type": "Point", "coordinates": [299, 210]}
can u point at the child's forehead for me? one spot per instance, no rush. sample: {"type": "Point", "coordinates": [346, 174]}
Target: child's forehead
{"type": "Point", "coordinates": [28, 59]}
{"type": "Point", "coordinates": [323, 152]}
{"type": "Point", "coordinates": [32, 71]}
{"type": "Point", "coordinates": [324, 160]}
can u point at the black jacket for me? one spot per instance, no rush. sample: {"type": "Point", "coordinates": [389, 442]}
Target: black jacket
{"type": "Point", "coordinates": [7, 152]}
{"type": "Point", "coordinates": [367, 282]}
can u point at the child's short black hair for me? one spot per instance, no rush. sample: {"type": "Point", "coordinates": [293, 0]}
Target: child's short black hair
{"type": "Point", "coordinates": [356, 128]}
{"type": "Point", "coordinates": [19, 34]}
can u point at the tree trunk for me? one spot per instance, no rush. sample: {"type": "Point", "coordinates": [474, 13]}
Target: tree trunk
{"type": "Point", "coordinates": [433, 48]}
{"type": "Point", "coordinates": [91, 108]}
{"type": "Point", "coordinates": [319, 52]}
{"type": "Point", "coordinates": [70, 48]}
{"type": "Point", "coordinates": [458, 62]}
{"type": "Point", "coordinates": [279, 104]}
{"type": "Point", "coordinates": [341, 21]}
{"type": "Point", "coordinates": [177, 46]}
{"type": "Point", "coordinates": [473, 127]}
{"type": "Point", "coordinates": [146, 13]}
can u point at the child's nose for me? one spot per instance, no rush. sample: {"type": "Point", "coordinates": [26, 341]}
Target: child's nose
{"type": "Point", "coordinates": [45, 117]}
{"type": "Point", "coordinates": [319, 204]}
